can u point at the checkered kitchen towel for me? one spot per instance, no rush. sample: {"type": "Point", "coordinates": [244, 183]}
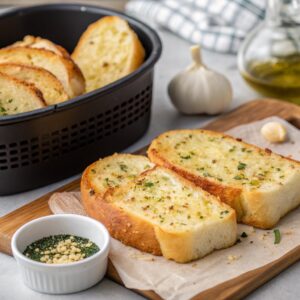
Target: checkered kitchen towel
{"type": "Point", "coordinates": [218, 25]}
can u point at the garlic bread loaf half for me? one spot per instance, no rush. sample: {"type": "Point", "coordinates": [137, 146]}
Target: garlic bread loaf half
{"type": "Point", "coordinates": [63, 68]}
{"type": "Point", "coordinates": [17, 96]}
{"type": "Point", "coordinates": [41, 43]}
{"type": "Point", "coordinates": [260, 185]}
{"type": "Point", "coordinates": [107, 51]}
{"type": "Point", "coordinates": [51, 88]}
{"type": "Point", "coordinates": [160, 212]}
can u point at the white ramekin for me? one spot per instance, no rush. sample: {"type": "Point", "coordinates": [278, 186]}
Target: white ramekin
{"type": "Point", "coordinates": [61, 278]}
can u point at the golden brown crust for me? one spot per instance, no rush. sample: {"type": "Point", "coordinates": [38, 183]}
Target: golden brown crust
{"type": "Point", "coordinates": [124, 227]}
{"type": "Point", "coordinates": [30, 87]}
{"type": "Point", "coordinates": [74, 74]}
{"type": "Point", "coordinates": [36, 93]}
{"type": "Point", "coordinates": [259, 215]}
{"type": "Point", "coordinates": [137, 232]}
{"type": "Point", "coordinates": [227, 194]}
{"type": "Point", "coordinates": [12, 68]}
{"type": "Point", "coordinates": [38, 42]}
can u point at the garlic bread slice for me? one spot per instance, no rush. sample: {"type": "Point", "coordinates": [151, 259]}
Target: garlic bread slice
{"type": "Point", "coordinates": [164, 214]}
{"type": "Point", "coordinates": [17, 96]}
{"type": "Point", "coordinates": [260, 185]}
{"type": "Point", "coordinates": [113, 171]}
{"type": "Point", "coordinates": [107, 51]}
{"type": "Point", "coordinates": [63, 68]}
{"type": "Point", "coordinates": [51, 88]}
{"type": "Point", "coordinates": [41, 43]}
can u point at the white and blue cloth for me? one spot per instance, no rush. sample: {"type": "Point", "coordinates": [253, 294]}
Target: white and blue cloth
{"type": "Point", "coordinates": [218, 25]}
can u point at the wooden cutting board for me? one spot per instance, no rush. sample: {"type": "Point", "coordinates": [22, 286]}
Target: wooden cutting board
{"type": "Point", "coordinates": [236, 288]}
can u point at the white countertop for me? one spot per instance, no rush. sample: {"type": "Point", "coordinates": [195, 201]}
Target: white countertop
{"type": "Point", "coordinates": [174, 58]}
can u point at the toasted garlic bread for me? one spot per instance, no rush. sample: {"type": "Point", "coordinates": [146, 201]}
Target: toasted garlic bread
{"type": "Point", "coordinates": [17, 96]}
{"type": "Point", "coordinates": [64, 69]}
{"type": "Point", "coordinates": [164, 214]}
{"type": "Point", "coordinates": [260, 185]}
{"type": "Point", "coordinates": [41, 43]}
{"type": "Point", "coordinates": [112, 171]}
{"type": "Point", "coordinates": [51, 88]}
{"type": "Point", "coordinates": [107, 51]}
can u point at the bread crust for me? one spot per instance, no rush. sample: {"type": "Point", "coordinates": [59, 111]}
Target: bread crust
{"type": "Point", "coordinates": [27, 87]}
{"type": "Point", "coordinates": [72, 80]}
{"type": "Point", "coordinates": [252, 208]}
{"type": "Point", "coordinates": [40, 43]}
{"type": "Point", "coordinates": [121, 226]}
{"type": "Point", "coordinates": [137, 232]}
{"type": "Point", "coordinates": [18, 70]}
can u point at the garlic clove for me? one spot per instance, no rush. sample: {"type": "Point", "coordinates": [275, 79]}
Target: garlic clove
{"type": "Point", "coordinates": [274, 132]}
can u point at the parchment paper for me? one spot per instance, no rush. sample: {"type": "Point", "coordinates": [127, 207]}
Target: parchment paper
{"type": "Point", "coordinates": [175, 281]}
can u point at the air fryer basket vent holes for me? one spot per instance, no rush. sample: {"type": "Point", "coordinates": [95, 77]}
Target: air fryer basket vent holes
{"type": "Point", "coordinates": [68, 139]}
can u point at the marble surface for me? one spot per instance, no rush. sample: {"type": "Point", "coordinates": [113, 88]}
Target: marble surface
{"type": "Point", "coordinates": [175, 57]}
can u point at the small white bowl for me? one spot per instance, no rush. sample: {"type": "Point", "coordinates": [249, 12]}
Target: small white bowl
{"type": "Point", "coordinates": [61, 278]}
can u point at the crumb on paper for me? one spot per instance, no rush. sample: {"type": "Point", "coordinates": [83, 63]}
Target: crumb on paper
{"type": "Point", "coordinates": [252, 229]}
{"type": "Point", "coordinates": [288, 232]}
{"type": "Point", "coordinates": [144, 257]}
{"type": "Point", "coordinates": [264, 235]}
{"type": "Point", "coordinates": [232, 258]}
{"type": "Point", "coordinates": [194, 265]}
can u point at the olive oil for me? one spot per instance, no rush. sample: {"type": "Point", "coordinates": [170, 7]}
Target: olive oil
{"type": "Point", "coordinates": [277, 77]}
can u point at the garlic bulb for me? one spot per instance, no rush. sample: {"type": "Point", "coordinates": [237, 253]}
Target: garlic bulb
{"type": "Point", "coordinates": [200, 90]}
{"type": "Point", "coordinates": [274, 132]}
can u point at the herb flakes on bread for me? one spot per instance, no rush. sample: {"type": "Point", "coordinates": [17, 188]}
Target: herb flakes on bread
{"type": "Point", "coordinates": [260, 185]}
{"type": "Point", "coordinates": [51, 88]}
{"type": "Point", "coordinates": [159, 212]}
{"type": "Point", "coordinates": [107, 51]}
{"type": "Point", "coordinates": [63, 68]}
{"type": "Point", "coordinates": [17, 96]}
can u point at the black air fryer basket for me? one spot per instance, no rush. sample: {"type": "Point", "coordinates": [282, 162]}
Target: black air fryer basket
{"type": "Point", "coordinates": [46, 145]}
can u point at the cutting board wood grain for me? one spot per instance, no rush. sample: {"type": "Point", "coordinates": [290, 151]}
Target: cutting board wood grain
{"type": "Point", "coordinates": [236, 288]}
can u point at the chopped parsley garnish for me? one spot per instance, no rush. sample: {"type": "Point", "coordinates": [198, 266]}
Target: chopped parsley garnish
{"type": "Point", "coordinates": [255, 182]}
{"type": "Point", "coordinates": [232, 149]}
{"type": "Point", "coordinates": [206, 174]}
{"type": "Point", "coordinates": [241, 166]}
{"type": "Point", "coordinates": [277, 236]}
{"type": "Point", "coordinates": [185, 156]}
{"type": "Point", "coordinates": [148, 184]}
{"type": "Point", "coordinates": [109, 182]}
{"type": "Point", "coordinates": [123, 167]}
{"type": "Point", "coordinates": [49, 247]}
